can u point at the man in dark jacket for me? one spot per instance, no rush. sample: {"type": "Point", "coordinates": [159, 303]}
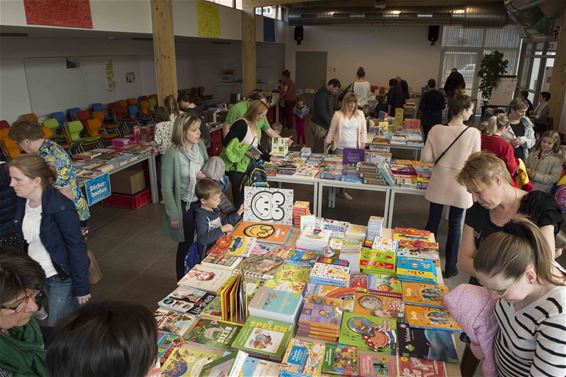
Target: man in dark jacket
{"type": "Point", "coordinates": [431, 106]}
{"type": "Point", "coordinates": [395, 96]}
{"type": "Point", "coordinates": [454, 82]}
{"type": "Point", "coordinates": [321, 115]}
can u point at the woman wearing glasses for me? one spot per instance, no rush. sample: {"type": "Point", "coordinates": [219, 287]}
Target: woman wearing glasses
{"type": "Point", "coordinates": [517, 266]}
{"type": "Point", "coordinates": [21, 343]}
{"type": "Point", "coordinates": [48, 222]}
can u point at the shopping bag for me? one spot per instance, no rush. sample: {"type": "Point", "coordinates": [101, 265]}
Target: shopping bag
{"type": "Point", "coordinates": [94, 271]}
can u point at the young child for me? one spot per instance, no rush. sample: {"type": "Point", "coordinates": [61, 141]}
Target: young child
{"type": "Point", "coordinates": [208, 222]}
{"type": "Point", "coordinates": [544, 163]}
{"type": "Point", "coordinates": [381, 104]}
{"type": "Point", "coordinates": [300, 111]}
{"type": "Point", "coordinates": [215, 169]}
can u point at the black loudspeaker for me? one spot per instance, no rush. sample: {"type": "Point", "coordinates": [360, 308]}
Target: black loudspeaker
{"type": "Point", "coordinates": [433, 32]}
{"type": "Point", "coordinates": [299, 34]}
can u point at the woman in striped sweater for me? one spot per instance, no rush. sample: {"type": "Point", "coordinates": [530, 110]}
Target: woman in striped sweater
{"type": "Point", "coordinates": [517, 266]}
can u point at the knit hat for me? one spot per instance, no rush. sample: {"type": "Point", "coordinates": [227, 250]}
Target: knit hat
{"type": "Point", "coordinates": [214, 168]}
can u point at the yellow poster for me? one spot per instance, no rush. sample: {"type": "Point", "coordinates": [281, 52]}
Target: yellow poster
{"type": "Point", "coordinates": [208, 20]}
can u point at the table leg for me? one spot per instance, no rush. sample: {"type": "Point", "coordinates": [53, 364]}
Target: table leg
{"type": "Point", "coordinates": [391, 209]}
{"type": "Point", "coordinates": [386, 212]}
{"type": "Point", "coordinates": [153, 179]}
{"type": "Point", "coordinates": [315, 198]}
{"type": "Point", "coordinates": [320, 199]}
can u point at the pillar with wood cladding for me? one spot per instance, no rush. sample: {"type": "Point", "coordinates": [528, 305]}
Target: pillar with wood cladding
{"type": "Point", "coordinates": [164, 49]}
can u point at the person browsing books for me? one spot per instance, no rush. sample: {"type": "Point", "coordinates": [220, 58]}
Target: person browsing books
{"type": "Point", "coordinates": [544, 164]}
{"type": "Point", "coordinates": [520, 132]}
{"type": "Point", "coordinates": [209, 223]}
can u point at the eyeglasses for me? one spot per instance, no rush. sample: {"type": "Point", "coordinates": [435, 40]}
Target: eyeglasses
{"type": "Point", "coordinates": [19, 305]}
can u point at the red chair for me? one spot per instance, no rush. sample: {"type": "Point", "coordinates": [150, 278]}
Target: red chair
{"type": "Point", "coordinates": [83, 116]}
{"type": "Point", "coordinates": [4, 124]}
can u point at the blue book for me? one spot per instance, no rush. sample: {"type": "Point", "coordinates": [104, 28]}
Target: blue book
{"type": "Point", "coordinates": [417, 270]}
{"type": "Point", "coordinates": [273, 304]}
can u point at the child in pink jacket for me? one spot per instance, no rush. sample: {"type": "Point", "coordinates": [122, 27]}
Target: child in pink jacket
{"type": "Point", "coordinates": [472, 307]}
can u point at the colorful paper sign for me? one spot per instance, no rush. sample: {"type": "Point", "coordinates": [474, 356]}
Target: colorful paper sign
{"type": "Point", "coordinates": [208, 20]}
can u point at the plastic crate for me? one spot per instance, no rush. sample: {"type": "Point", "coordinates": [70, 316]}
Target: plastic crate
{"type": "Point", "coordinates": [127, 201]}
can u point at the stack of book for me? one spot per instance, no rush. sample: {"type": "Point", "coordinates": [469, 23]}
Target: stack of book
{"type": "Point", "coordinates": [264, 338]}
{"type": "Point", "coordinates": [320, 321]}
{"type": "Point", "coordinates": [213, 333]}
{"type": "Point", "coordinates": [330, 274]}
{"type": "Point", "coordinates": [331, 172]}
{"type": "Point", "coordinates": [356, 232]}
{"type": "Point", "coordinates": [187, 300]}
{"type": "Point", "coordinates": [350, 251]}
{"type": "Point", "coordinates": [300, 209]}
{"type": "Point", "coordinates": [279, 305]}
{"type": "Point", "coordinates": [340, 297]}
{"type": "Point", "coordinates": [174, 322]}
{"type": "Point", "coordinates": [369, 333]}
{"type": "Point", "coordinates": [314, 239]}
{"type": "Point", "coordinates": [418, 249]}
{"type": "Point", "coordinates": [375, 225]}
{"type": "Point", "coordinates": [307, 171]}
{"type": "Point", "coordinates": [417, 270]}
{"type": "Point", "coordinates": [303, 358]}
{"type": "Point", "coordinates": [338, 228]}
{"type": "Point", "coordinates": [380, 258]}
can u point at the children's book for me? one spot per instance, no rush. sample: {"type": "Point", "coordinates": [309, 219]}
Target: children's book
{"type": "Point", "coordinates": [221, 244]}
{"type": "Point", "coordinates": [219, 367]}
{"type": "Point", "coordinates": [289, 278]}
{"type": "Point", "coordinates": [174, 322]}
{"type": "Point", "coordinates": [369, 333]}
{"type": "Point", "coordinates": [377, 261]}
{"type": "Point", "coordinates": [418, 249]}
{"type": "Point", "coordinates": [281, 251]}
{"type": "Point", "coordinates": [412, 234]}
{"type": "Point", "coordinates": [302, 359]}
{"type": "Point", "coordinates": [339, 296]}
{"type": "Point", "coordinates": [264, 232]}
{"type": "Point", "coordinates": [417, 270]}
{"type": "Point", "coordinates": [314, 239]}
{"type": "Point", "coordinates": [166, 344]}
{"type": "Point", "coordinates": [359, 280]}
{"type": "Point", "coordinates": [241, 246]}
{"type": "Point", "coordinates": [264, 337]}
{"type": "Point", "coordinates": [431, 318]}
{"type": "Point", "coordinates": [213, 333]}
{"type": "Point", "coordinates": [213, 310]}
{"type": "Point", "coordinates": [248, 366]}
{"type": "Point", "coordinates": [426, 343]}
{"type": "Point", "coordinates": [411, 366]}
{"type": "Point", "coordinates": [424, 294]}
{"type": "Point", "coordinates": [187, 300]}
{"type": "Point", "coordinates": [384, 283]}
{"type": "Point", "coordinates": [321, 316]}
{"type": "Point", "coordinates": [374, 364]}
{"type": "Point", "coordinates": [330, 274]}
{"type": "Point", "coordinates": [227, 262]}
{"type": "Point", "coordinates": [303, 257]}
{"type": "Point", "coordinates": [340, 359]}
{"type": "Point", "coordinates": [279, 305]}
{"type": "Point", "coordinates": [188, 360]}
{"type": "Point", "coordinates": [261, 266]}
{"type": "Point", "coordinates": [209, 279]}
{"type": "Point", "coordinates": [279, 146]}
{"type": "Point", "coordinates": [379, 304]}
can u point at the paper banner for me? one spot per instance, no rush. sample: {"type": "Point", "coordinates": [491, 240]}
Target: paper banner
{"type": "Point", "coordinates": [208, 20]}
{"type": "Point", "coordinates": [75, 13]}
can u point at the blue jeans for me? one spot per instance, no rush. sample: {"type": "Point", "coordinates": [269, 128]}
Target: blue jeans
{"type": "Point", "coordinates": [454, 232]}
{"type": "Point", "coordinates": [60, 297]}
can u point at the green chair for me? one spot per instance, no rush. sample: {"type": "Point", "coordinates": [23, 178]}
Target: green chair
{"type": "Point", "coordinates": [73, 130]}
{"type": "Point", "coordinates": [53, 125]}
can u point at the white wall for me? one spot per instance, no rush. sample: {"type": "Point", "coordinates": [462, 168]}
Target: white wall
{"type": "Point", "coordinates": [384, 52]}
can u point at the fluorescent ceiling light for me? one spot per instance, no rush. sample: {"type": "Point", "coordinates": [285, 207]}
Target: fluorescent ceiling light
{"type": "Point", "coordinates": [459, 11]}
{"type": "Point", "coordinates": [424, 15]}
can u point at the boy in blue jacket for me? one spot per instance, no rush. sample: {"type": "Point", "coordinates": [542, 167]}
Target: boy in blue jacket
{"type": "Point", "coordinates": [209, 224]}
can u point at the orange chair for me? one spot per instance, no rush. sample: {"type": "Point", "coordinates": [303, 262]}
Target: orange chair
{"type": "Point", "coordinates": [132, 101]}
{"type": "Point", "coordinates": [145, 108]}
{"type": "Point", "coordinates": [29, 116]}
{"type": "Point", "coordinates": [47, 133]}
{"type": "Point", "coordinates": [98, 115]}
{"type": "Point", "coordinates": [123, 103]}
{"type": "Point", "coordinates": [94, 127]}
{"type": "Point", "coordinates": [11, 148]}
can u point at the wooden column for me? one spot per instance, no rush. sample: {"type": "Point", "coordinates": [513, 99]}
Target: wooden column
{"type": "Point", "coordinates": [558, 81]}
{"type": "Point", "coordinates": [248, 49]}
{"type": "Point", "coordinates": [164, 49]}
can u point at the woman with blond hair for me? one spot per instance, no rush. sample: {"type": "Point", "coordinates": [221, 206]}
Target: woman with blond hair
{"type": "Point", "coordinates": [180, 170]}
{"type": "Point", "coordinates": [492, 141]}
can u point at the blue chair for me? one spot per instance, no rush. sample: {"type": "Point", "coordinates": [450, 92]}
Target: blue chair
{"type": "Point", "coordinates": [72, 113]}
{"type": "Point", "coordinates": [61, 118]}
{"type": "Point", "coordinates": [97, 107]}
{"type": "Point", "coordinates": [134, 111]}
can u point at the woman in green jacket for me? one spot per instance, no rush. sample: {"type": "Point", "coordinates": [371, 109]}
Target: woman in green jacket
{"type": "Point", "coordinates": [180, 169]}
{"type": "Point", "coordinates": [21, 342]}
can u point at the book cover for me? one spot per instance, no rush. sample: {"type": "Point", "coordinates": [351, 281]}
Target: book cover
{"type": "Point", "coordinates": [221, 244]}
{"type": "Point", "coordinates": [213, 333]}
{"type": "Point", "coordinates": [264, 337]}
{"type": "Point", "coordinates": [209, 279]}
{"type": "Point", "coordinates": [432, 318]}
{"type": "Point", "coordinates": [374, 364]}
{"type": "Point", "coordinates": [174, 322]}
{"type": "Point", "coordinates": [359, 280]}
{"type": "Point", "coordinates": [424, 294]}
{"type": "Point", "coordinates": [279, 305]}
{"type": "Point", "coordinates": [351, 156]}
{"type": "Point", "coordinates": [411, 366]}
{"type": "Point", "coordinates": [302, 358]}
{"type": "Point", "coordinates": [241, 246]}
{"type": "Point", "coordinates": [289, 278]}
{"type": "Point", "coordinates": [188, 361]}
{"type": "Point", "coordinates": [340, 359]}
{"type": "Point", "coordinates": [426, 343]}
{"type": "Point", "coordinates": [213, 309]}
{"type": "Point", "coordinates": [228, 262]}
{"type": "Point", "coordinates": [248, 366]}
{"type": "Point", "coordinates": [331, 274]}
{"type": "Point", "coordinates": [320, 316]}
{"type": "Point", "coordinates": [187, 300]}
{"type": "Point", "coordinates": [263, 232]}
{"type": "Point", "coordinates": [416, 270]}
{"type": "Point", "coordinates": [379, 305]}
{"type": "Point", "coordinates": [384, 283]}
{"type": "Point", "coordinates": [219, 367]}
{"type": "Point", "coordinates": [378, 261]}
{"type": "Point", "coordinates": [303, 257]}
{"type": "Point", "coordinates": [401, 234]}
{"type": "Point", "coordinates": [281, 251]}
{"type": "Point", "coordinates": [166, 344]}
{"type": "Point", "coordinates": [341, 297]}
{"type": "Point", "coordinates": [261, 266]}
{"type": "Point", "coordinates": [368, 332]}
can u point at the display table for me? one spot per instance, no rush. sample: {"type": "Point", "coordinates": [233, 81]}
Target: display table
{"type": "Point", "coordinates": [417, 149]}
{"type": "Point", "coordinates": [394, 191]}
{"type": "Point", "coordinates": [280, 179]}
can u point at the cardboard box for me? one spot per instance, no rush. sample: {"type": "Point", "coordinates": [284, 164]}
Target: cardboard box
{"type": "Point", "coordinates": [128, 181]}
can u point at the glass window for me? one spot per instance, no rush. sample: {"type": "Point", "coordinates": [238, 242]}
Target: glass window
{"type": "Point", "coordinates": [239, 4]}
{"type": "Point", "coordinates": [456, 35]}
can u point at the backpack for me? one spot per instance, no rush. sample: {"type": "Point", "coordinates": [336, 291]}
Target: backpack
{"type": "Point", "coordinates": [560, 198]}
{"type": "Point", "coordinates": [256, 176]}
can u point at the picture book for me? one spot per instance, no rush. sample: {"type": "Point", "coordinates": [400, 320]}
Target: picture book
{"type": "Point", "coordinates": [313, 239]}
{"type": "Point", "coordinates": [411, 366]}
{"type": "Point", "coordinates": [279, 146]}
{"type": "Point", "coordinates": [321, 316]}
{"type": "Point", "coordinates": [270, 205]}
{"type": "Point", "coordinates": [302, 358]}
{"type": "Point", "coordinates": [264, 232]}
{"type": "Point", "coordinates": [221, 244]}
{"type": "Point", "coordinates": [285, 285]}
{"type": "Point", "coordinates": [424, 294]}
{"type": "Point", "coordinates": [213, 333]}
{"type": "Point", "coordinates": [281, 251]}
{"type": "Point", "coordinates": [289, 278]}
{"type": "Point", "coordinates": [241, 246]}
{"type": "Point", "coordinates": [432, 318]}
{"type": "Point", "coordinates": [368, 332]}
{"type": "Point", "coordinates": [209, 279]}
{"type": "Point", "coordinates": [340, 359]}
{"type": "Point", "coordinates": [400, 234]}
{"type": "Point", "coordinates": [248, 366]}
{"type": "Point", "coordinates": [219, 367]}
{"type": "Point", "coordinates": [174, 322]}
{"type": "Point", "coordinates": [266, 337]}
{"type": "Point", "coordinates": [379, 305]}
{"type": "Point", "coordinates": [417, 270]}
{"type": "Point", "coordinates": [213, 309]}
{"type": "Point", "coordinates": [373, 364]}
{"type": "Point", "coordinates": [188, 360]}
{"type": "Point", "coordinates": [279, 305]}
{"type": "Point", "coordinates": [377, 261]}
{"type": "Point", "coordinates": [166, 344]}
{"type": "Point", "coordinates": [228, 262]}
{"type": "Point", "coordinates": [302, 257]}
{"type": "Point", "coordinates": [359, 280]}
{"type": "Point", "coordinates": [187, 300]}
{"type": "Point", "coordinates": [331, 274]}
{"type": "Point", "coordinates": [418, 249]}
{"type": "Point", "coordinates": [426, 343]}
{"type": "Point", "coordinates": [384, 283]}
{"type": "Point", "coordinates": [341, 297]}
{"type": "Point", "coordinates": [261, 266]}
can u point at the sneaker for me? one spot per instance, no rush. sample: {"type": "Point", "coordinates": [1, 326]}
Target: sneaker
{"type": "Point", "coordinates": [41, 314]}
{"type": "Point", "coordinates": [449, 274]}
{"type": "Point", "coordinates": [344, 195]}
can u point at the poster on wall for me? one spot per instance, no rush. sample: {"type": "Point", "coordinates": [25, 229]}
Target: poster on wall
{"type": "Point", "coordinates": [208, 20]}
{"type": "Point", "coordinates": [130, 77]}
{"type": "Point", "coordinates": [110, 83]}
{"type": "Point", "coordinates": [268, 205]}
{"type": "Point", "coordinates": [75, 13]}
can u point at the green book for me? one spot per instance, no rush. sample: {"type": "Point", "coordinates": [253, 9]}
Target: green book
{"type": "Point", "coordinates": [340, 359]}
{"type": "Point", "coordinates": [264, 337]}
{"type": "Point", "coordinates": [369, 333]}
{"type": "Point", "coordinates": [213, 333]}
{"type": "Point", "coordinates": [219, 367]}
